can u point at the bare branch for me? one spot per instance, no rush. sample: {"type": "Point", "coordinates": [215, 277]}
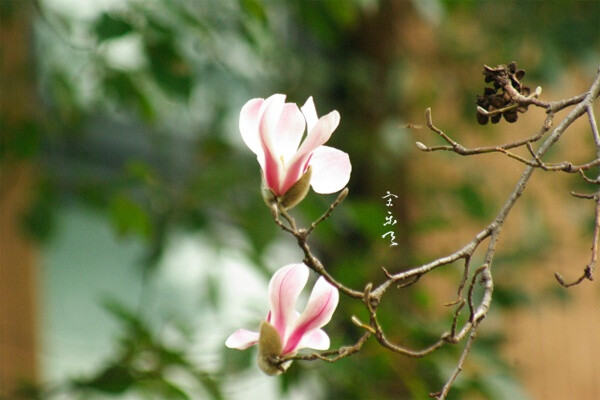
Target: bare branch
{"type": "Point", "coordinates": [301, 236]}
{"type": "Point", "coordinates": [588, 271]}
{"type": "Point", "coordinates": [464, 151]}
{"type": "Point", "coordinates": [337, 354]}
{"type": "Point", "coordinates": [372, 296]}
{"type": "Point", "coordinates": [469, 344]}
{"type": "Point", "coordinates": [589, 180]}
{"type": "Point", "coordinates": [590, 112]}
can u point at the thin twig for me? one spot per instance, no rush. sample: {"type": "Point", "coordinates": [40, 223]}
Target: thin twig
{"type": "Point", "coordinates": [595, 134]}
{"type": "Point", "coordinates": [327, 213]}
{"type": "Point", "coordinates": [337, 354]}
{"type": "Point", "coordinates": [441, 395]}
{"type": "Point", "coordinates": [301, 236]}
{"type": "Point", "coordinates": [588, 271]}
{"type": "Point", "coordinates": [465, 151]}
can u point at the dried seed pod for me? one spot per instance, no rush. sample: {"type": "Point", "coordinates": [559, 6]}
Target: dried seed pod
{"type": "Point", "coordinates": [511, 115]}
{"type": "Point", "coordinates": [519, 74]}
{"type": "Point", "coordinates": [516, 84]}
{"type": "Point", "coordinates": [482, 119]}
{"type": "Point", "coordinates": [498, 101]}
{"type": "Point", "coordinates": [496, 97]}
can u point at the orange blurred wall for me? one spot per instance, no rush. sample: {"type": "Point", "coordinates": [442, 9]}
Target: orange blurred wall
{"type": "Point", "coordinates": [17, 254]}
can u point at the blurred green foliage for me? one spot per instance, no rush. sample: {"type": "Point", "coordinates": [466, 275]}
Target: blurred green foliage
{"type": "Point", "coordinates": [179, 71]}
{"type": "Point", "coordinates": [142, 363]}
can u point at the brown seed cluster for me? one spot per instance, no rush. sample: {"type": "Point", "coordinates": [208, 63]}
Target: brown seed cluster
{"type": "Point", "coordinates": [497, 98]}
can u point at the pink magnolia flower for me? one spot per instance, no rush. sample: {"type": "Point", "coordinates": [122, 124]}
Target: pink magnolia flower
{"type": "Point", "coordinates": [285, 331]}
{"type": "Point", "coordinates": [273, 130]}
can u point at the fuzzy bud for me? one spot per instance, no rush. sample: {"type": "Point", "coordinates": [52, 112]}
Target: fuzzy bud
{"type": "Point", "coordinates": [269, 347]}
{"type": "Point", "coordinates": [268, 196]}
{"type": "Point", "coordinates": [421, 146]}
{"type": "Point", "coordinates": [297, 192]}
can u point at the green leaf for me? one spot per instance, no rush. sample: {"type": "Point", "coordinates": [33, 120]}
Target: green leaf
{"type": "Point", "coordinates": [27, 139]}
{"type": "Point", "coordinates": [171, 71]}
{"type": "Point", "coordinates": [170, 391]}
{"type": "Point", "coordinates": [39, 220]}
{"type": "Point", "coordinates": [213, 290]}
{"type": "Point", "coordinates": [125, 89]}
{"type": "Point", "coordinates": [130, 217]}
{"type": "Point", "coordinates": [121, 312]}
{"type": "Point", "coordinates": [254, 8]}
{"type": "Point", "coordinates": [210, 385]}
{"type": "Point", "coordinates": [110, 26]}
{"type": "Point", "coordinates": [115, 379]}
{"type": "Point", "coordinates": [21, 140]}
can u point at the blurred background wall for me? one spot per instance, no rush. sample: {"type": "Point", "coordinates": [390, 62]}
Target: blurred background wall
{"type": "Point", "coordinates": [133, 235]}
{"type": "Point", "coordinates": [18, 254]}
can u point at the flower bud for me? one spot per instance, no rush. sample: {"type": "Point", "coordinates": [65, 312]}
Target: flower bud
{"type": "Point", "coordinates": [268, 196]}
{"type": "Point", "coordinates": [297, 192]}
{"type": "Point", "coordinates": [269, 347]}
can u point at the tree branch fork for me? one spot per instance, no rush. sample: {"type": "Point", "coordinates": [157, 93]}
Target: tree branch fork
{"type": "Point", "coordinates": [373, 295]}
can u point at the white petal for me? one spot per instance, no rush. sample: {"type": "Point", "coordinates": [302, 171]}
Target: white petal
{"type": "Point", "coordinates": [268, 121]}
{"type": "Point", "coordinates": [316, 339]}
{"type": "Point", "coordinates": [310, 113]}
{"type": "Point", "coordinates": [241, 339]}
{"type": "Point", "coordinates": [320, 133]}
{"type": "Point", "coordinates": [330, 170]}
{"type": "Point", "coordinates": [249, 117]}
{"type": "Point", "coordinates": [289, 131]}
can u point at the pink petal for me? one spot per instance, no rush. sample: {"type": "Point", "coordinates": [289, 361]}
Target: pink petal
{"type": "Point", "coordinates": [320, 133]}
{"type": "Point", "coordinates": [310, 113]}
{"type": "Point", "coordinates": [249, 117]}
{"type": "Point", "coordinates": [241, 339]}
{"type": "Point", "coordinates": [267, 129]}
{"type": "Point", "coordinates": [316, 339]}
{"type": "Point", "coordinates": [288, 133]}
{"type": "Point", "coordinates": [284, 288]}
{"type": "Point", "coordinates": [330, 170]}
{"type": "Point", "coordinates": [319, 309]}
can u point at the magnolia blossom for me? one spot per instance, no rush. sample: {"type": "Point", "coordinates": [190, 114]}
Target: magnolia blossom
{"type": "Point", "coordinates": [285, 331]}
{"type": "Point", "coordinates": [273, 130]}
